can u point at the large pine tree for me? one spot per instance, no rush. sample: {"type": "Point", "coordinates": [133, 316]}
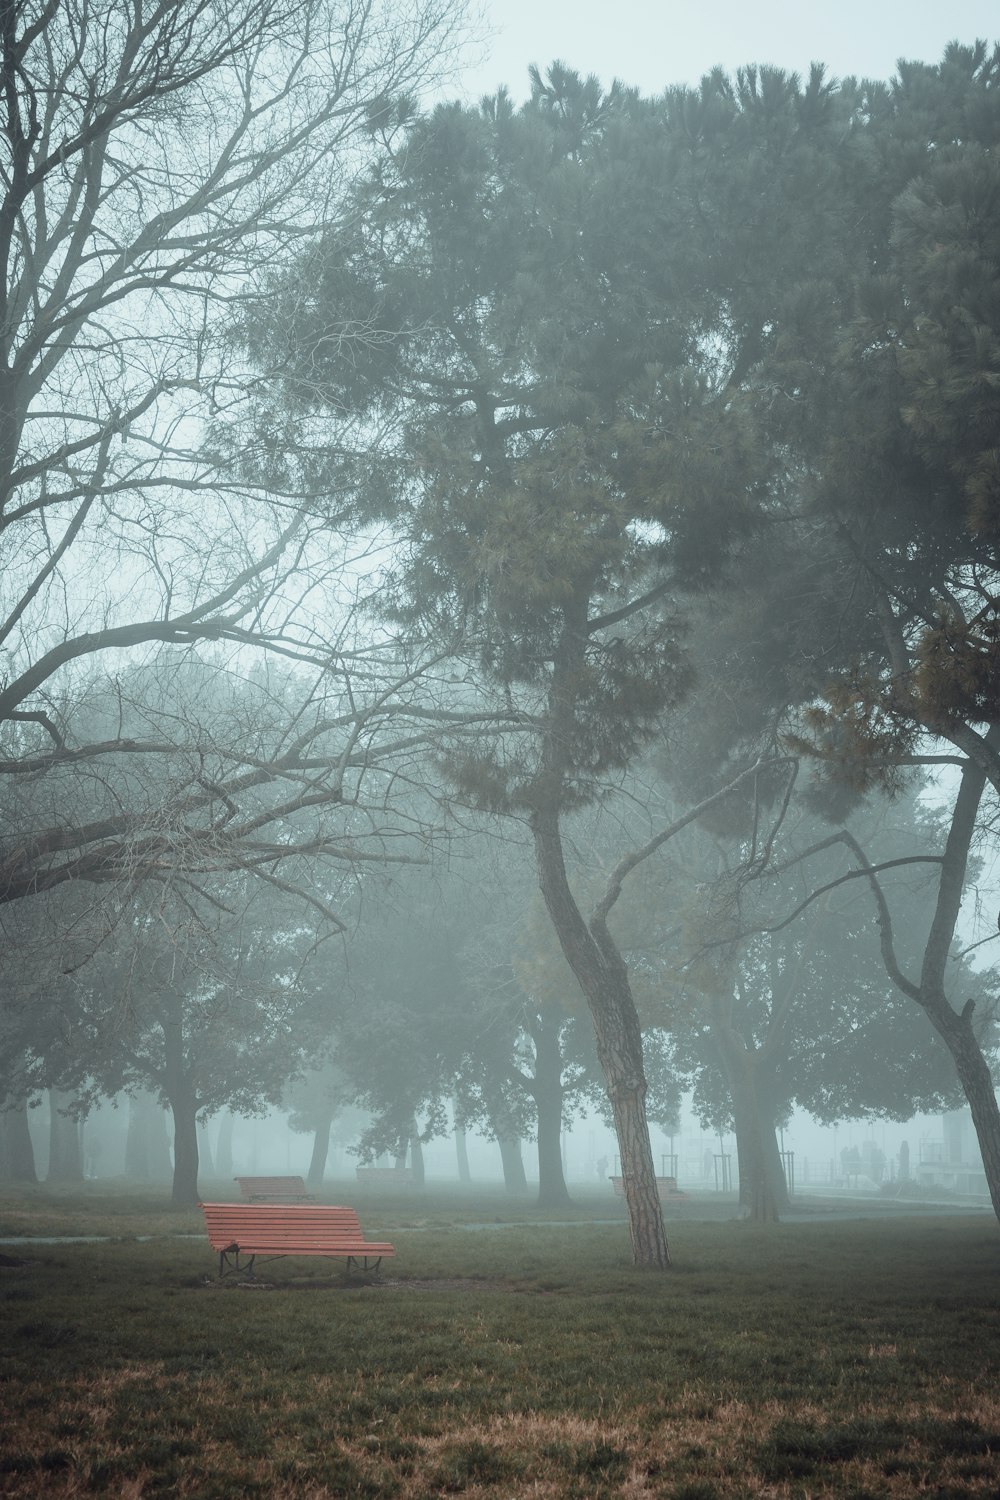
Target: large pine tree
{"type": "Point", "coordinates": [613, 347]}
{"type": "Point", "coordinates": [536, 309]}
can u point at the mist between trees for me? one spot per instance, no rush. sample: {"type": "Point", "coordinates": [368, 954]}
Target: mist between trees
{"type": "Point", "coordinates": [484, 589]}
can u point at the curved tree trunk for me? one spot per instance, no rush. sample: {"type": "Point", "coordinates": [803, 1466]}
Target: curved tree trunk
{"type": "Point", "coordinates": [602, 975]}
{"type": "Point", "coordinates": [954, 1027]}
{"type": "Point", "coordinates": [588, 946]}
{"type": "Point", "coordinates": [955, 1030]}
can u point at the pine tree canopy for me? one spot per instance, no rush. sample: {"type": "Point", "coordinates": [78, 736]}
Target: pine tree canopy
{"type": "Point", "coordinates": [606, 350]}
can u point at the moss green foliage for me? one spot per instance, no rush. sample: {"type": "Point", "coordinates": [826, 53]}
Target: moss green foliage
{"type": "Point", "coordinates": [841, 1358]}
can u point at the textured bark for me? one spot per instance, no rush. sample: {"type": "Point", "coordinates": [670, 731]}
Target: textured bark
{"type": "Point", "coordinates": [603, 977]}
{"type": "Point", "coordinates": [589, 948]}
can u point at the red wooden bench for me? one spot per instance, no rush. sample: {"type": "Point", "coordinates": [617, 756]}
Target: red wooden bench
{"type": "Point", "coordinates": [274, 1189]}
{"type": "Point", "coordinates": [242, 1231]}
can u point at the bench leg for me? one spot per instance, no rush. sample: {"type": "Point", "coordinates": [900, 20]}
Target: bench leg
{"type": "Point", "coordinates": [352, 1260]}
{"type": "Point", "coordinates": [226, 1266]}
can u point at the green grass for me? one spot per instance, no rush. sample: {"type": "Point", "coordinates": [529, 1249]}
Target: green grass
{"type": "Point", "coordinates": [844, 1359]}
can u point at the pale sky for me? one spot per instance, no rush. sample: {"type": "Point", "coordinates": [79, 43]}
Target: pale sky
{"type": "Point", "coordinates": [654, 43]}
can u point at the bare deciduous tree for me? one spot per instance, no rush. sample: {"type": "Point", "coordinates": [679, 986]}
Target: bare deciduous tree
{"type": "Point", "coordinates": [157, 159]}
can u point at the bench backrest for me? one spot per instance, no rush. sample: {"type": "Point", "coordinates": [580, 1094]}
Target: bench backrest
{"type": "Point", "coordinates": [227, 1223]}
{"type": "Point", "coordinates": [272, 1187]}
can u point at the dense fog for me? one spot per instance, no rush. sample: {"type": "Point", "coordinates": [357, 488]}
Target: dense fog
{"type": "Point", "coordinates": [499, 617]}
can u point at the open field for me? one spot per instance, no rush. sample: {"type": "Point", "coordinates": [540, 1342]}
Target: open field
{"type": "Point", "coordinates": [841, 1358]}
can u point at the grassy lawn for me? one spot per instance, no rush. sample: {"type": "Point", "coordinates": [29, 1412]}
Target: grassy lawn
{"type": "Point", "coordinates": [845, 1359]}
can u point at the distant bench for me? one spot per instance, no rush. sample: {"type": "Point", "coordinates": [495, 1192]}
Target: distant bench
{"type": "Point", "coordinates": [665, 1186]}
{"type": "Point", "coordinates": [373, 1176]}
{"type": "Point", "coordinates": [242, 1231]}
{"type": "Point", "coordinates": [274, 1189]}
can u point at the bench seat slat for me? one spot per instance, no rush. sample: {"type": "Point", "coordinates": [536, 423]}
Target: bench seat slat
{"type": "Point", "coordinates": [281, 1247]}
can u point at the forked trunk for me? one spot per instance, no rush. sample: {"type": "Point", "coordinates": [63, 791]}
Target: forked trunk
{"type": "Point", "coordinates": [954, 1027]}
{"type": "Point", "coordinates": [591, 951]}
{"type": "Point", "coordinates": [974, 1075]}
